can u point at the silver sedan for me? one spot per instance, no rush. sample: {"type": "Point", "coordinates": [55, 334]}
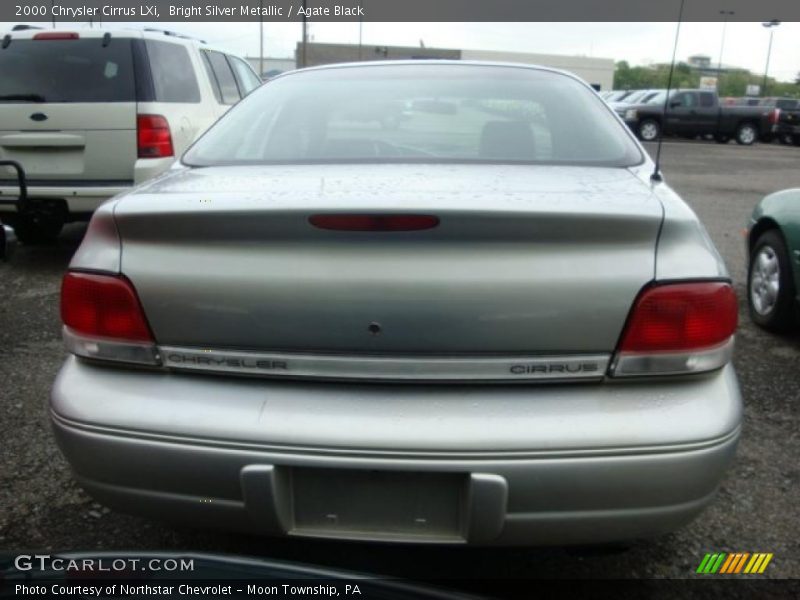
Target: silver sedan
{"type": "Point", "coordinates": [411, 301]}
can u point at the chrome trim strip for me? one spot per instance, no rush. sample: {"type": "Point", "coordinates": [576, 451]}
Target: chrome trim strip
{"type": "Point", "coordinates": [417, 368]}
{"type": "Point", "coordinates": [672, 363]}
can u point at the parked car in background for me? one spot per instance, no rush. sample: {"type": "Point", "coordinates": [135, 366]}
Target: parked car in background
{"type": "Point", "coordinates": [773, 247]}
{"type": "Point", "coordinates": [485, 325]}
{"type": "Point", "coordinates": [642, 97]}
{"type": "Point", "coordinates": [784, 118]}
{"type": "Point", "coordinates": [91, 113]}
{"type": "Point", "coordinates": [693, 113]}
{"type": "Point", "coordinates": [618, 95]}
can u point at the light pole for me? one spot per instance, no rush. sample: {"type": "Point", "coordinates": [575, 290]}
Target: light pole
{"type": "Point", "coordinates": [771, 26]}
{"type": "Point", "coordinates": [305, 35]}
{"type": "Point", "coordinates": [725, 15]}
{"type": "Point", "coordinates": [260, 38]}
{"type": "Point", "coordinates": [360, 32]}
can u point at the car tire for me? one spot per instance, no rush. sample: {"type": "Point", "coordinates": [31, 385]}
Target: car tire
{"type": "Point", "coordinates": [746, 134]}
{"type": "Point", "coordinates": [37, 229]}
{"type": "Point", "coordinates": [770, 286]}
{"type": "Point", "coordinates": [722, 139]}
{"type": "Point", "coordinates": [649, 130]}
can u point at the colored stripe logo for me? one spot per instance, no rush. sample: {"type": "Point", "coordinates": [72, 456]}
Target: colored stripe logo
{"type": "Point", "coordinates": [734, 563]}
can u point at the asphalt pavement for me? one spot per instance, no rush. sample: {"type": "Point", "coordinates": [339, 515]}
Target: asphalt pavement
{"type": "Point", "coordinates": [42, 508]}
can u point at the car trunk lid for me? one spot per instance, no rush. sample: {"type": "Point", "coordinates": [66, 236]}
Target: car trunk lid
{"type": "Point", "coordinates": [524, 260]}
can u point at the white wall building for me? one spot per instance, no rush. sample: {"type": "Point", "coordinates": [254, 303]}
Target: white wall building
{"type": "Point", "coordinates": [596, 71]}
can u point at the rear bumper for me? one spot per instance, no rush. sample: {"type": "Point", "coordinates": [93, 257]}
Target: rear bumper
{"type": "Point", "coordinates": [78, 199]}
{"type": "Point", "coordinates": [583, 490]}
{"type": "Point", "coordinates": [83, 197]}
{"type": "Point", "coordinates": [782, 129]}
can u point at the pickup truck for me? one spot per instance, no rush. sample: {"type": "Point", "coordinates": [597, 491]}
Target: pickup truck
{"type": "Point", "coordinates": [692, 113]}
{"type": "Point", "coordinates": [784, 119]}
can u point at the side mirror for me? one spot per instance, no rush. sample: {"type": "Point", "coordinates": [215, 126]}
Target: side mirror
{"type": "Point", "coordinates": [675, 104]}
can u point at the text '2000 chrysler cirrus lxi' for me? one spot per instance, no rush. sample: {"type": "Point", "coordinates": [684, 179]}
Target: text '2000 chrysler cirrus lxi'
{"type": "Point", "coordinates": [424, 302]}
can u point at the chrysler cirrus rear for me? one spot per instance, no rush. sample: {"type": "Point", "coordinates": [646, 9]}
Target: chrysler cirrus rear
{"type": "Point", "coordinates": [422, 302]}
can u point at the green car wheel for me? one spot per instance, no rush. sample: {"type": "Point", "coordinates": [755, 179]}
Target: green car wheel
{"type": "Point", "coordinates": [770, 287]}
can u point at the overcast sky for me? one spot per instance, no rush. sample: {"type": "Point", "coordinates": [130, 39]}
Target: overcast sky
{"type": "Point", "coordinates": [638, 43]}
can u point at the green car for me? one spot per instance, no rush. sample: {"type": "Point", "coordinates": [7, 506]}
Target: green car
{"type": "Point", "coordinates": [773, 275]}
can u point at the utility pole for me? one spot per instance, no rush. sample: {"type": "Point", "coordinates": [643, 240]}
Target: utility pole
{"type": "Point", "coordinates": [771, 26]}
{"type": "Point", "coordinates": [260, 38]}
{"type": "Point", "coordinates": [360, 28]}
{"type": "Point", "coordinates": [725, 14]}
{"type": "Point", "coordinates": [305, 37]}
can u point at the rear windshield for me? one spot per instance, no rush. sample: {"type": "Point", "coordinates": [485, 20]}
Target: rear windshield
{"type": "Point", "coordinates": [419, 113]}
{"type": "Point", "coordinates": [80, 70]}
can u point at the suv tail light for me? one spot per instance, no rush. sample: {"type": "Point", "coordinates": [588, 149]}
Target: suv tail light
{"type": "Point", "coordinates": [103, 319]}
{"type": "Point", "coordinates": [678, 328]}
{"type": "Point", "coordinates": [56, 35]}
{"type": "Point", "coordinates": [153, 137]}
{"type": "Point", "coordinates": [774, 116]}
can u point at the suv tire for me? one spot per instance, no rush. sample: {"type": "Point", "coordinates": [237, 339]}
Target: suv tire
{"type": "Point", "coordinates": [38, 229]}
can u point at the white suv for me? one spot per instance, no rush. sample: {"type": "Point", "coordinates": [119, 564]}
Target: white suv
{"type": "Point", "coordinates": [89, 114]}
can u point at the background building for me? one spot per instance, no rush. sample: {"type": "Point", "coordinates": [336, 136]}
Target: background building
{"type": "Point", "coordinates": [596, 71]}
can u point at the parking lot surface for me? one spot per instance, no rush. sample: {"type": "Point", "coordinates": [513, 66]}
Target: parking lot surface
{"type": "Point", "coordinates": [42, 509]}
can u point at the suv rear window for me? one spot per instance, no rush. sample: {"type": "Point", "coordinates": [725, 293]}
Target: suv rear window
{"type": "Point", "coordinates": [80, 70]}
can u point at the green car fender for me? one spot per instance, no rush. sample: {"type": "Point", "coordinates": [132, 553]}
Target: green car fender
{"type": "Point", "coordinates": [781, 209]}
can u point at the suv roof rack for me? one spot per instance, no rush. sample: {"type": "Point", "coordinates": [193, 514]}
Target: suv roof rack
{"type": "Point", "coordinates": [173, 34]}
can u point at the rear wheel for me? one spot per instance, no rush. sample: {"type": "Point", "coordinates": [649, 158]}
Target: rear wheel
{"type": "Point", "coordinates": [649, 130]}
{"type": "Point", "coordinates": [38, 228]}
{"type": "Point", "coordinates": [770, 288]}
{"type": "Point", "coordinates": [746, 134]}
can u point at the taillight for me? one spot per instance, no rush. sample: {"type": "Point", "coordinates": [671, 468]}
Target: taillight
{"type": "Point", "coordinates": [678, 328]}
{"type": "Point", "coordinates": [153, 136]}
{"type": "Point", "coordinates": [56, 35]}
{"type": "Point", "coordinates": [103, 319]}
{"type": "Point", "coordinates": [103, 306]}
{"type": "Point", "coordinates": [372, 222]}
{"type": "Point", "coordinates": [774, 116]}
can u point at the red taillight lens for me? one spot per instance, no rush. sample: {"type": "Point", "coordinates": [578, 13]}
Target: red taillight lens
{"type": "Point", "coordinates": [153, 137]}
{"type": "Point", "coordinates": [56, 35]}
{"type": "Point", "coordinates": [374, 222]}
{"type": "Point", "coordinates": [681, 316]}
{"type": "Point", "coordinates": [774, 116]}
{"type": "Point", "coordinates": [103, 306]}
